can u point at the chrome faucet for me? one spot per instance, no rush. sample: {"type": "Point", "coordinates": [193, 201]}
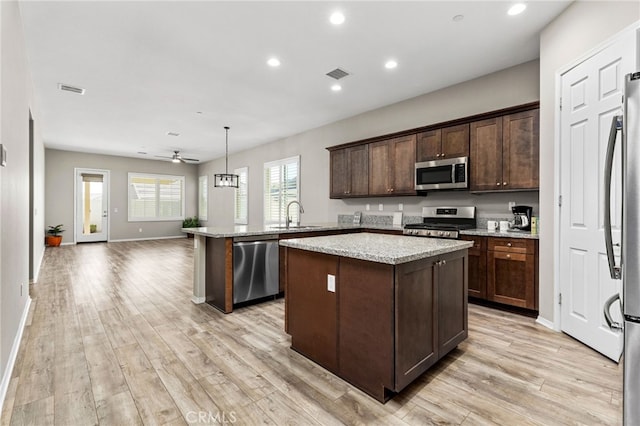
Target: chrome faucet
{"type": "Point", "coordinates": [288, 221]}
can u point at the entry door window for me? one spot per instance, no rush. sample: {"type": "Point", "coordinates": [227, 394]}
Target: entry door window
{"type": "Point", "coordinates": [92, 203]}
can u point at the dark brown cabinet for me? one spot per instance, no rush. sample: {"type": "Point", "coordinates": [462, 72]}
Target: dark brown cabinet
{"type": "Point", "coordinates": [504, 270]}
{"type": "Point", "coordinates": [385, 324]}
{"type": "Point", "coordinates": [477, 266]}
{"type": "Point", "coordinates": [392, 166]}
{"type": "Point", "coordinates": [350, 172]}
{"type": "Point", "coordinates": [448, 142]}
{"type": "Point", "coordinates": [511, 272]}
{"type": "Point", "coordinates": [504, 152]}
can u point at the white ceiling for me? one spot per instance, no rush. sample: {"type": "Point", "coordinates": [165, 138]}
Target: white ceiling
{"type": "Point", "coordinates": [149, 67]}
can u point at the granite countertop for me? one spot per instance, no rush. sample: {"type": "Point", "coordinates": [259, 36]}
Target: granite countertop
{"type": "Point", "coordinates": [380, 248]}
{"type": "Point", "coordinates": [249, 231]}
{"type": "Point", "coordinates": [502, 234]}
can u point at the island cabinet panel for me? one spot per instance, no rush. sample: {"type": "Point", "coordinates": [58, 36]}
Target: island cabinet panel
{"type": "Point", "coordinates": [365, 340]}
{"type": "Point", "coordinates": [312, 313]}
{"type": "Point", "coordinates": [417, 346]}
{"type": "Point", "coordinates": [219, 273]}
{"type": "Point", "coordinates": [477, 266]}
{"type": "Point", "coordinates": [452, 301]}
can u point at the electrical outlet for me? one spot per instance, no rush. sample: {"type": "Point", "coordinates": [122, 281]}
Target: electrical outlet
{"type": "Point", "coordinates": [511, 204]}
{"type": "Point", "coordinates": [380, 207]}
{"type": "Point", "coordinates": [331, 283]}
{"type": "Point", "coordinates": [367, 207]}
{"type": "Point", "coordinates": [400, 207]}
{"type": "Point", "coordinates": [139, 229]}
{"type": "Point", "coordinates": [115, 210]}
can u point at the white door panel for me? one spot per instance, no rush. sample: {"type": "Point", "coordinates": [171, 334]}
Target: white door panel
{"type": "Point", "coordinates": [591, 96]}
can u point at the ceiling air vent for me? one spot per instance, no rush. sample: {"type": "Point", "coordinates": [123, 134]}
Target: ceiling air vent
{"type": "Point", "coordinates": [69, 88]}
{"type": "Point", "coordinates": [338, 73]}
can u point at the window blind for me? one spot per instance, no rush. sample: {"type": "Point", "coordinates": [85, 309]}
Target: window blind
{"type": "Point", "coordinates": [241, 202]}
{"type": "Point", "coordinates": [281, 186]}
{"type": "Point", "coordinates": [155, 197]}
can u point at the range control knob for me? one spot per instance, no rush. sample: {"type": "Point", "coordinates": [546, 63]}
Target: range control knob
{"type": "Point", "coordinates": [446, 234]}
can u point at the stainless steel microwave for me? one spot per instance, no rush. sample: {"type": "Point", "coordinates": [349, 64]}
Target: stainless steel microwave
{"type": "Point", "coordinates": [450, 173]}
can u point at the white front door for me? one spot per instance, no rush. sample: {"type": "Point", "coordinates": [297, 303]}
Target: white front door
{"type": "Point", "coordinates": [92, 205]}
{"type": "Point", "coordinates": [591, 96]}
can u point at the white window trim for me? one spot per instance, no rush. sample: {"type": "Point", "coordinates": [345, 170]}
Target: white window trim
{"type": "Point", "coordinates": [241, 220]}
{"type": "Point", "coordinates": [270, 164]}
{"type": "Point", "coordinates": [203, 187]}
{"type": "Point", "coordinates": [154, 176]}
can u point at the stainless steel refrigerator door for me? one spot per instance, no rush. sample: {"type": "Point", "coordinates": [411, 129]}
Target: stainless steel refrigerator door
{"type": "Point", "coordinates": [631, 396]}
{"type": "Point", "coordinates": [631, 208]}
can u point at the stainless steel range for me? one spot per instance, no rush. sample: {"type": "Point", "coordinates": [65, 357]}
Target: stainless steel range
{"type": "Point", "coordinates": [442, 222]}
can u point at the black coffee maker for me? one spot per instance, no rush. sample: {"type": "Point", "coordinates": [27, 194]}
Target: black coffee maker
{"type": "Point", "coordinates": [522, 217]}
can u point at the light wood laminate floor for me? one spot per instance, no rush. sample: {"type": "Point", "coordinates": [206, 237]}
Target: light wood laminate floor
{"type": "Point", "coordinates": [112, 338]}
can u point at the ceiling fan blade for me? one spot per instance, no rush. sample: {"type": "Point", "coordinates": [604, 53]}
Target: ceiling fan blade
{"type": "Point", "coordinates": [190, 159]}
{"type": "Point", "coordinates": [162, 156]}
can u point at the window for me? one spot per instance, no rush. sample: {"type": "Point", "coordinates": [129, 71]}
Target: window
{"type": "Point", "coordinates": [155, 197]}
{"type": "Point", "coordinates": [281, 186]}
{"type": "Point", "coordinates": [241, 216]}
{"type": "Point", "coordinates": [203, 197]}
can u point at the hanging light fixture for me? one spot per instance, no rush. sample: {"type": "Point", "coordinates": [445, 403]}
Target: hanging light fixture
{"type": "Point", "coordinates": [225, 180]}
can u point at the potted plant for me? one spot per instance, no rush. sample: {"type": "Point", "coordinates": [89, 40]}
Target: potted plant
{"type": "Point", "coordinates": [54, 238]}
{"type": "Point", "coordinates": [191, 222]}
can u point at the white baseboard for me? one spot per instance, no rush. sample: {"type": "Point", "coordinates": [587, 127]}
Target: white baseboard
{"type": "Point", "coordinates": [198, 300]}
{"type": "Point", "coordinates": [147, 239]}
{"type": "Point", "coordinates": [546, 323]}
{"type": "Point", "coordinates": [37, 269]}
{"type": "Point", "coordinates": [8, 372]}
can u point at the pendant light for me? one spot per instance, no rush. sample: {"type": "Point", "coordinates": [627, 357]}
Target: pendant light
{"type": "Point", "coordinates": [225, 180]}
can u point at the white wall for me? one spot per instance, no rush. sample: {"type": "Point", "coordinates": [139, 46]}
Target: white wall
{"type": "Point", "coordinates": [59, 187]}
{"type": "Point", "coordinates": [580, 28]}
{"type": "Point", "coordinates": [16, 99]}
{"type": "Point", "coordinates": [513, 86]}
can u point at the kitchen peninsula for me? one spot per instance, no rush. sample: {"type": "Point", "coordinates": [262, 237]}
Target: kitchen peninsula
{"type": "Point", "coordinates": [376, 310]}
{"type": "Point", "coordinates": [214, 260]}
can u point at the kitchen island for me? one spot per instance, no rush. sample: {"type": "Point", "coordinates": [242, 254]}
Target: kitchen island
{"type": "Point", "coordinates": [376, 310]}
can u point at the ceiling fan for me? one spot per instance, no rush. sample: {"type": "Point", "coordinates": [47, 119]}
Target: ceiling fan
{"type": "Point", "coordinates": [177, 158]}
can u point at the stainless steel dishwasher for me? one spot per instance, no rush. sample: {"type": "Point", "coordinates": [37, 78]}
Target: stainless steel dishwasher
{"type": "Point", "coordinates": [255, 268]}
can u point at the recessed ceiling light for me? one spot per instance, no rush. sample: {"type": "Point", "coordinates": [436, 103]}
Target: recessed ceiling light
{"type": "Point", "coordinates": [173, 134]}
{"type": "Point", "coordinates": [516, 9]}
{"type": "Point", "coordinates": [336, 18]}
{"type": "Point", "coordinates": [273, 62]}
{"type": "Point", "coordinates": [390, 64]}
{"type": "Point", "coordinates": [336, 88]}
{"type": "Point", "coordinates": [458, 18]}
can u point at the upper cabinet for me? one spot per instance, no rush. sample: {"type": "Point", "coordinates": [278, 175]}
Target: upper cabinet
{"type": "Point", "coordinates": [504, 152]}
{"type": "Point", "coordinates": [350, 172]}
{"type": "Point", "coordinates": [392, 166]}
{"type": "Point", "coordinates": [448, 142]}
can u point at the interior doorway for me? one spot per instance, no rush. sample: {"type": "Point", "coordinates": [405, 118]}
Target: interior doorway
{"type": "Point", "coordinates": [92, 205]}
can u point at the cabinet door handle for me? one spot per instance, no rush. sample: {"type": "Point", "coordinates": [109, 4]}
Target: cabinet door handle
{"type": "Point", "coordinates": [391, 190]}
{"type": "Point", "coordinates": [497, 183]}
{"type": "Point", "coordinates": [442, 154]}
{"type": "Point", "coordinates": [504, 183]}
{"type": "Point", "coordinates": [437, 155]}
{"type": "Point", "coordinates": [444, 262]}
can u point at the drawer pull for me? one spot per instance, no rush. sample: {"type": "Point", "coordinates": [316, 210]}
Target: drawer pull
{"type": "Point", "coordinates": [508, 256]}
{"type": "Point", "coordinates": [508, 244]}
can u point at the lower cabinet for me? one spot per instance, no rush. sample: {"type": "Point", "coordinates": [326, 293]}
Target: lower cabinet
{"type": "Point", "coordinates": [384, 325]}
{"type": "Point", "coordinates": [504, 270]}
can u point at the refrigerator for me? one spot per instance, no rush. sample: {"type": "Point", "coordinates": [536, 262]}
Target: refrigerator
{"type": "Point", "coordinates": [628, 268]}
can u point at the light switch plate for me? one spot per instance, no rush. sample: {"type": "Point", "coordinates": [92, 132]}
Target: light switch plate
{"type": "Point", "coordinates": [3, 155]}
{"type": "Point", "coordinates": [331, 283]}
